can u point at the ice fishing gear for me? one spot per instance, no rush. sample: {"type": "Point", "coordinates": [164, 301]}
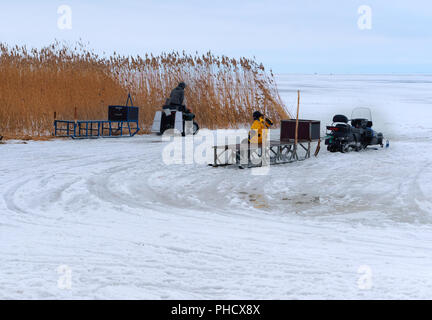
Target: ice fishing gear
{"type": "Point", "coordinates": [356, 134]}
{"type": "Point", "coordinates": [284, 150]}
{"type": "Point", "coordinates": [122, 122]}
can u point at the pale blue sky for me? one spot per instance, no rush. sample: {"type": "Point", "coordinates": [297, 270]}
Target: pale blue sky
{"type": "Point", "coordinates": [298, 36]}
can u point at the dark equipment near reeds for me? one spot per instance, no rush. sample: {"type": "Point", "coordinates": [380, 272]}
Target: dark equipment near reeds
{"type": "Point", "coordinates": [122, 122]}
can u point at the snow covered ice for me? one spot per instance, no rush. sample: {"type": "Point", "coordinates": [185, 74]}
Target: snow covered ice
{"type": "Point", "coordinates": [124, 225]}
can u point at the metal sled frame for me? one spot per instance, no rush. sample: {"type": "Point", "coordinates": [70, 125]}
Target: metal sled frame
{"type": "Point", "coordinates": [279, 152]}
{"type": "Point", "coordinates": [86, 129]}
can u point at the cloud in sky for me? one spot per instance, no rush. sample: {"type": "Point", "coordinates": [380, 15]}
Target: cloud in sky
{"type": "Point", "coordinates": [300, 36]}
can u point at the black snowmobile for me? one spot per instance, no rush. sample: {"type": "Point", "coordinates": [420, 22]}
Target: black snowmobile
{"type": "Point", "coordinates": [343, 136]}
{"type": "Point", "coordinates": [175, 117]}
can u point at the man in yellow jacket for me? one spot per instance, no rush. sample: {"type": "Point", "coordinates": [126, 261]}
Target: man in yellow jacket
{"type": "Point", "coordinates": [259, 128]}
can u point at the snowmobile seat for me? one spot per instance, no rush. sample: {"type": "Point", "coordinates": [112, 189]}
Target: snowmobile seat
{"type": "Point", "coordinates": [188, 116]}
{"type": "Point", "coordinates": [359, 123]}
{"type": "Point", "coordinates": [343, 127]}
{"type": "Point", "coordinates": [169, 107]}
{"type": "Point", "coordinates": [340, 118]}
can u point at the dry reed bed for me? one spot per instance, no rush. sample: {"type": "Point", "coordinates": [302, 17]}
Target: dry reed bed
{"type": "Point", "coordinates": [34, 84]}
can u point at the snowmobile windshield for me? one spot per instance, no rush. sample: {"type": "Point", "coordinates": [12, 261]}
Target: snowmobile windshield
{"type": "Point", "coordinates": [361, 113]}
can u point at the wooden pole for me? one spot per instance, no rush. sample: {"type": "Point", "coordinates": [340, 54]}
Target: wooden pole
{"type": "Point", "coordinates": [297, 118]}
{"type": "Point", "coordinates": [318, 148]}
{"type": "Point", "coordinates": [55, 125]}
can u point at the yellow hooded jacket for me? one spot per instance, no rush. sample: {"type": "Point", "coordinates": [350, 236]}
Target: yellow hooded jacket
{"type": "Point", "coordinates": [258, 131]}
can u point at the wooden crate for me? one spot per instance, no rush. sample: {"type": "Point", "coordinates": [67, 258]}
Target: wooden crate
{"type": "Point", "coordinates": [307, 130]}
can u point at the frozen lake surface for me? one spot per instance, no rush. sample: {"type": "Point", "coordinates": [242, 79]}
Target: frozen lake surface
{"type": "Point", "coordinates": [118, 222]}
